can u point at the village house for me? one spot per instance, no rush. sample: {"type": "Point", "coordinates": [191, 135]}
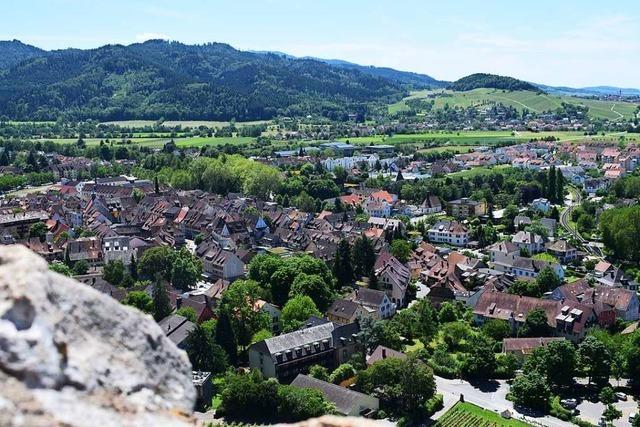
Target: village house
{"type": "Point", "coordinates": [562, 251]}
{"type": "Point", "coordinates": [375, 301]}
{"type": "Point", "coordinates": [528, 241]}
{"type": "Point", "coordinates": [568, 319]}
{"type": "Point", "coordinates": [394, 278]}
{"type": "Point", "coordinates": [347, 402]}
{"type": "Point", "coordinates": [219, 263]}
{"type": "Point", "coordinates": [466, 208]}
{"type": "Point", "coordinates": [623, 302]}
{"type": "Point", "coordinates": [522, 348]}
{"type": "Point", "coordinates": [287, 355]}
{"type": "Point", "coordinates": [451, 232]}
{"type": "Point", "coordinates": [541, 204]}
{"type": "Point", "coordinates": [381, 353]}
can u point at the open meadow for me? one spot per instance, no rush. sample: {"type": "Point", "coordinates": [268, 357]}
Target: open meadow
{"type": "Point", "coordinates": [536, 102]}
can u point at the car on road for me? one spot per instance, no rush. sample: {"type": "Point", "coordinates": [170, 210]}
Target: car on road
{"type": "Point", "coordinates": [621, 396]}
{"type": "Point", "coordinates": [569, 403]}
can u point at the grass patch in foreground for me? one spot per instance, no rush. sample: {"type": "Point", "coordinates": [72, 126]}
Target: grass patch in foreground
{"type": "Point", "coordinates": [464, 414]}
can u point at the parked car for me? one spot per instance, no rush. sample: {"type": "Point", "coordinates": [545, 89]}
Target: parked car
{"type": "Point", "coordinates": [621, 396]}
{"type": "Point", "coordinates": [569, 403]}
{"type": "Point", "coordinates": [632, 417]}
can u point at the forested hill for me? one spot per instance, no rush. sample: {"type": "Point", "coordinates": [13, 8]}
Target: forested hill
{"type": "Point", "coordinates": [491, 81]}
{"type": "Point", "coordinates": [14, 51]}
{"type": "Point", "coordinates": [159, 79]}
{"type": "Point", "coordinates": [405, 77]}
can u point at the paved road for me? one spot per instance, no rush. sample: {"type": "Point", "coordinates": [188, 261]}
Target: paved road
{"type": "Point", "coordinates": [491, 396]}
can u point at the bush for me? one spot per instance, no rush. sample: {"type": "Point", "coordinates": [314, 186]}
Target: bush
{"type": "Point", "coordinates": [341, 373]}
{"type": "Point", "coordinates": [444, 371]}
{"type": "Point", "coordinates": [582, 423]}
{"type": "Point", "coordinates": [434, 404]}
{"type": "Point", "coordinates": [558, 411]}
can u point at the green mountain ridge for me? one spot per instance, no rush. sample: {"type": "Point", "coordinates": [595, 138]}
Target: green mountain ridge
{"type": "Point", "coordinates": [171, 80]}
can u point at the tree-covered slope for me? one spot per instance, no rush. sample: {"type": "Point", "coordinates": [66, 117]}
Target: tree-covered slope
{"type": "Point", "coordinates": [14, 51]}
{"type": "Point", "coordinates": [167, 79]}
{"type": "Point", "coordinates": [491, 81]}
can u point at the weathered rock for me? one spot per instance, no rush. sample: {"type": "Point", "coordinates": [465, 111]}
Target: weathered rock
{"type": "Point", "coordinates": [72, 356]}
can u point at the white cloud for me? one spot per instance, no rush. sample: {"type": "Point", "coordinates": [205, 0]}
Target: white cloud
{"type": "Point", "coordinates": [143, 37]}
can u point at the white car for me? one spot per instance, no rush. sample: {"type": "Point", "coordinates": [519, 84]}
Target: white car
{"type": "Point", "coordinates": [632, 417]}
{"type": "Point", "coordinates": [620, 395]}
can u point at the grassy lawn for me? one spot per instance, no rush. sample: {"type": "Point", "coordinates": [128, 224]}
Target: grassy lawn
{"type": "Point", "coordinates": [545, 257]}
{"type": "Point", "coordinates": [465, 414]}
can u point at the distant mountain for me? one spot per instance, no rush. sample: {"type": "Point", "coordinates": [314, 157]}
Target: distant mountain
{"type": "Point", "coordinates": [403, 77]}
{"type": "Point", "coordinates": [589, 91]}
{"type": "Point", "coordinates": [492, 81]}
{"type": "Point", "coordinates": [171, 80]}
{"type": "Point", "coordinates": [416, 80]}
{"type": "Point", "coordinates": [13, 52]}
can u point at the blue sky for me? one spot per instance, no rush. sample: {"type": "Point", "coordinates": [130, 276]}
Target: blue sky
{"type": "Point", "coordinates": [560, 42]}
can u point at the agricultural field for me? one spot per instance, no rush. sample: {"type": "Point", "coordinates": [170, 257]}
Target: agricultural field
{"type": "Point", "coordinates": [533, 101]}
{"type": "Point", "coordinates": [465, 414]}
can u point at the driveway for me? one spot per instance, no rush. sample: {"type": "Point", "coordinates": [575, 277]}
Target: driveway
{"type": "Point", "coordinates": [491, 395]}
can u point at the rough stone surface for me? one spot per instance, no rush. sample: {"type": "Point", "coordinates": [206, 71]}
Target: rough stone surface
{"type": "Point", "coordinates": [71, 356]}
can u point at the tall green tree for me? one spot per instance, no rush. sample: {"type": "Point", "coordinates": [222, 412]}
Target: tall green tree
{"type": "Point", "coordinates": [536, 324]}
{"type": "Point", "coordinates": [481, 360]}
{"type": "Point", "coordinates": [531, 390]}
{"type": "Point", "coordinates": [161, 303]}
{"type": "Point", "coordinates": [204, 353]}
{"type": "Point", "coordinates": [297, 311]}
{"type": "Point", "coordinates": [186, 270]}
{"type": "Point", "coordinates": [401, 250]}
{"type": "Point", "coordinates": [403, 386]}
{"type": "Point", "coordinates": [113, 272]}
{"type": "Point", "coordinates": [225, 337]}
{"type": "Point", "coordinates": [342, 264]}
{"type": "Point", "coordinates": [314, 287]}
{"type": "Point", "coordinates": [239, 301]}
{"type": "Point", "coordinates": [363, 256]}
{"type": "Point", "coordinates": [595, 360]}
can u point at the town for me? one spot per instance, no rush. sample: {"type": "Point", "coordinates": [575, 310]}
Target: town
{"type": "Point", "coordinates": [388, 281]}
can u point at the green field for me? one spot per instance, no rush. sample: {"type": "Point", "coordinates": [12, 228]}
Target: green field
{"type": "Point", "coordinates": [183, 123]}
{"type": "Point", "coordinates": [469, 138]}
{"type": "Point", "coordinates": [465, 414]}
{"type": "Point", "coordinates": [535, 102]}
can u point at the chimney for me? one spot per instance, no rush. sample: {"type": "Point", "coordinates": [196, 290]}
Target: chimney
{"type": "Point", "coordinates": [178, 302]}
{"type": "Point", "coordinates": [384, 353]}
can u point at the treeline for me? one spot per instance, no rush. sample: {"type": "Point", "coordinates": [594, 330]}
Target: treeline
{"type": "Point", "coordinates": [483, 80]}
{"type": "Point", "coordinates": [499, 187]}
